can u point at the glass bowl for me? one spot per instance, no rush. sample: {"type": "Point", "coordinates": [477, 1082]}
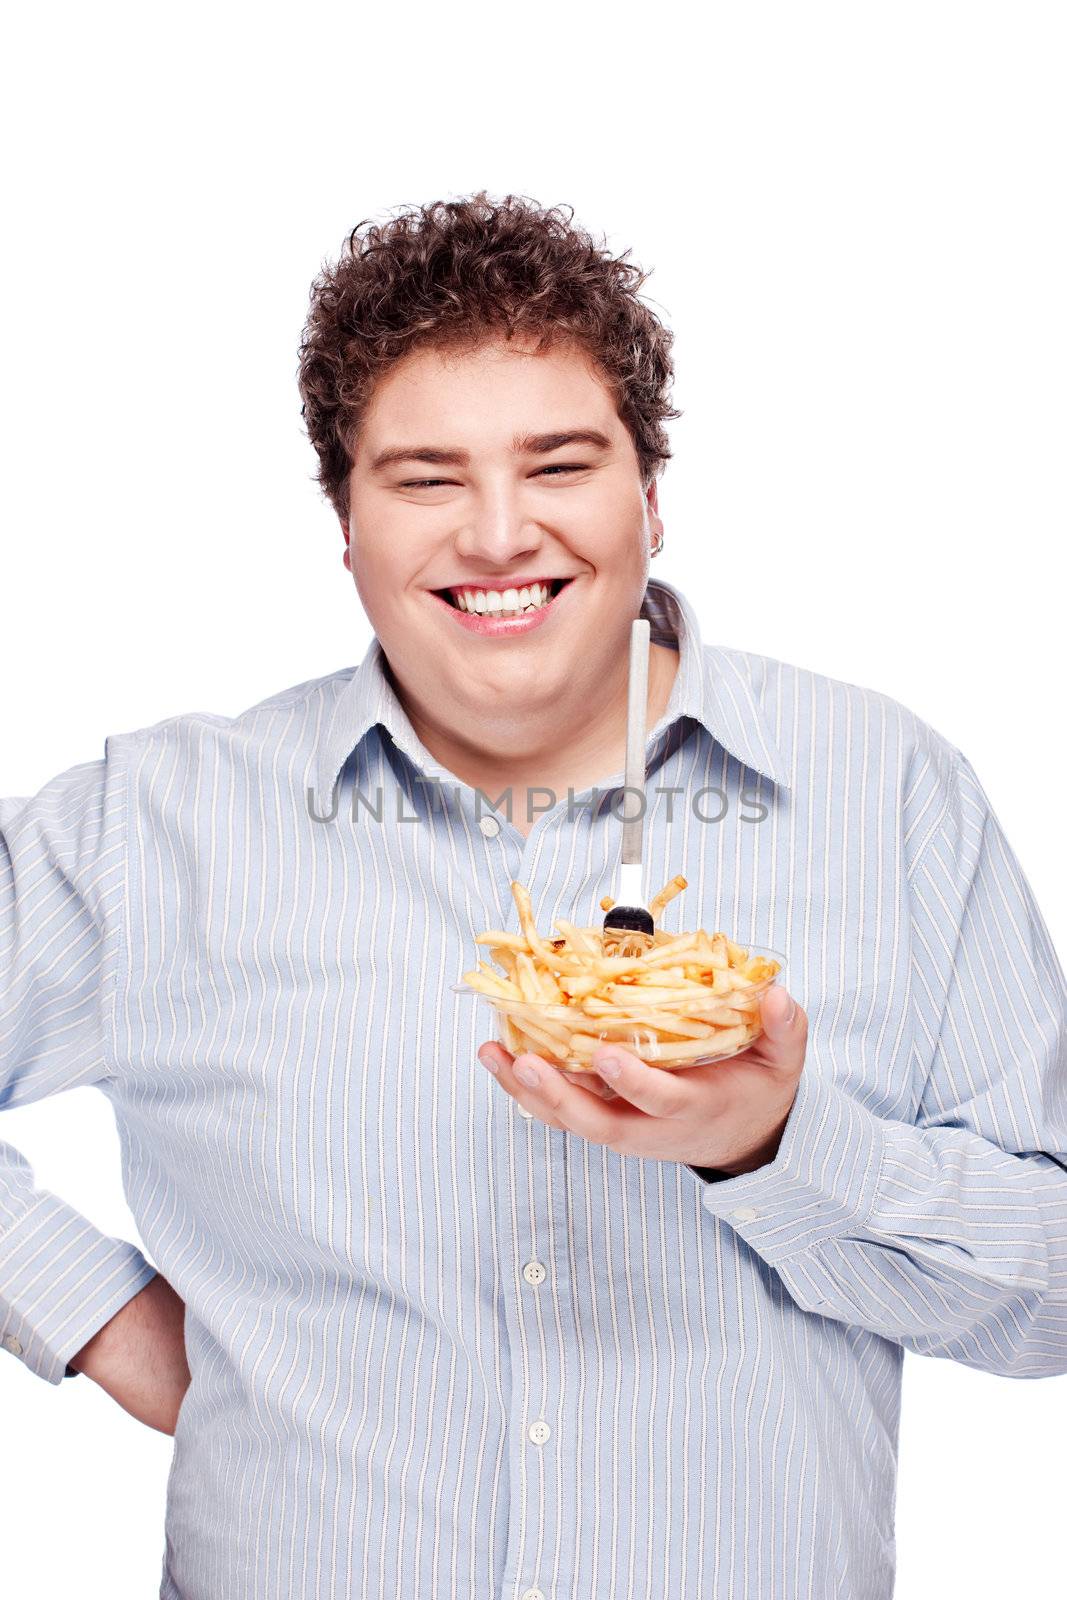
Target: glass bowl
{"type": "Point", "coordinates": [711, 1028]}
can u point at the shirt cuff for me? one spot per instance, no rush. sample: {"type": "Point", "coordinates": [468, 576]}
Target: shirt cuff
{"type": "Point", "coordinates": [822, 1182]}
{"type": "Point", "coordinates": [61, 1280]}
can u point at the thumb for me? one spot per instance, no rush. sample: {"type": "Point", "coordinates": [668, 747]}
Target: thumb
{"type": "Point", "coordinates": [785, 1026]}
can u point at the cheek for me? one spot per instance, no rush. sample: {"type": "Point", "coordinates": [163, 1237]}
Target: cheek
{"type": "Point", "coordinates": [608, 526]}
{"type": "Point", "coordinates": [613, 538]}
{"type": "Point", "coordinates": [384, 567]}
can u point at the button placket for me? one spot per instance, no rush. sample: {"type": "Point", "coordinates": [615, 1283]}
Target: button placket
{"type": "Point", "coordinates": [534, 1180]}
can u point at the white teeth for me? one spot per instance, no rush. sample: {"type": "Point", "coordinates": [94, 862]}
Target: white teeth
{"type": "Point", "coordinates": [506, 602]}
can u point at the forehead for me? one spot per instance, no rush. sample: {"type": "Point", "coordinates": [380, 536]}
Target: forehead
{"type": "Point", "coordinates": [491, 389]}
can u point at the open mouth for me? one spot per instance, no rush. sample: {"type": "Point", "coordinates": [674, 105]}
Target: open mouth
{"type": "Point", "coordinates": [508, 602]}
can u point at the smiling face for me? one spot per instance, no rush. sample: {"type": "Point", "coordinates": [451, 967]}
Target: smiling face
{"type": "Point", "coordinates": [465, 490]}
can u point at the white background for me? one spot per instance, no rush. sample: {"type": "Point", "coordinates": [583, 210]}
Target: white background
{"type": "Point", "coordinates": [855, 218]}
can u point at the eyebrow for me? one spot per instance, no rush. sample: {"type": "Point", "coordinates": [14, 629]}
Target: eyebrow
{"type": "Point", "coordinates": [523, 444]}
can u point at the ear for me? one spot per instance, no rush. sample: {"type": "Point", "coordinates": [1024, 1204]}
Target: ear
{"type": "Point", "coordinates": [655, 521]}
{"type": "Point", "coordinates": [346, 559]}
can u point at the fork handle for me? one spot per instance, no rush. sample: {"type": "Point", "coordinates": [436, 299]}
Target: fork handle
{"type": "Point", "coordinates": [636, 712]}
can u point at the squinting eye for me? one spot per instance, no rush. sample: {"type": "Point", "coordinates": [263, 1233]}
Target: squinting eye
{"type": "Point", "coordinates": [434, 483]}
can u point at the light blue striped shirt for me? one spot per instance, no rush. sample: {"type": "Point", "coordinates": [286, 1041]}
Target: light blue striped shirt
{"type": "Point", "coordinates": [439, 1348]}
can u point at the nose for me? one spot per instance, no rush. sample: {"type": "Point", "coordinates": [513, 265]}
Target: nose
{"type": "Point", "coordinates": [497, 531]}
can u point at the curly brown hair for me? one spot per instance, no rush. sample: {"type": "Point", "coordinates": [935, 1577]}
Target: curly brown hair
{"type": "Point", "coordinates": [450, 275]}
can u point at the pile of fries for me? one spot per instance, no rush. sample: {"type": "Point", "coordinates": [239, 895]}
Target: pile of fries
{"type": "Point", "coordinates": [690, 998]}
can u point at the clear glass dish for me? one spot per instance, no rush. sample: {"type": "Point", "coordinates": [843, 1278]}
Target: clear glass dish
{"type": "Point", "coordinates": [707, 1029]}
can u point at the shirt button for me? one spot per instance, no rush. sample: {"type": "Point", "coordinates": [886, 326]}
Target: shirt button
{"type": "Point", "coordinates": [534, 1272]}
{"type": "Point", "coordinates": [539, 1432]}
{"type": "Point", "coordinates": [12, 1344]}
{"type": "Point", "coordinates": [745, 1214]}
{"type": "Point", "coordinates": [489, 826]}
{"type": "Point", "coordinates": [524, 1113]}
{"type": "Point", "coordinates": [532, 1594]}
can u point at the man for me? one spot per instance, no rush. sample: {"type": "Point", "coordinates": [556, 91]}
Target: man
{"type": "Point", "coordinates": [466, 1333]}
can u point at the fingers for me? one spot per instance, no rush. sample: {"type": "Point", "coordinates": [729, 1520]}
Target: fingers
{"type": "Point", "coordinates": [553, 1098]}
{"type": "Point", "coordinates": [591, 1083]}
{"type": "Point", "coordinates": [654, 1090]}
{"type": "Point", "coordinates": [502, 1064]}
{"type": "Point", "coordinates": [650, 1090]}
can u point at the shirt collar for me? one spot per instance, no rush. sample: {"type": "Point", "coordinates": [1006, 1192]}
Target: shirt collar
{"type": "Point", "coordinates": [710, 687]}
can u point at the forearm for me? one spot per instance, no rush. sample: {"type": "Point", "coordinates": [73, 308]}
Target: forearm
{"type": "Point", "coordinates": [139, 1356]}
{"type": "Point", "coordinates": [935, 1238]}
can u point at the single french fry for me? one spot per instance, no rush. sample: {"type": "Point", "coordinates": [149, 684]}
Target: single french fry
{"type": "Point", "coordinates": [512, 1036]}
{"type": "Point", "coordinates": [651, 994]}
{"type": "Point", "coordinates": [526, 976]}
{"type": "Point", "coordinates": [508, 961]}
{"type": "Point", "coordinates": [730, 1039]}
{"type": "Point", "coordinates": [667, 977]}
{"type": "Point", "coordinates": [551, 1044]}
{"type": "Point", "coordinates": [484, 967]}
{"type": "Point", "coordinates": [670, 950]}
{"type": "Point", "coordinates": [582, 1045]}
{"type": "Point", "coordinates": [488, 983]}
{"type": "Point", "coordinates": [664, 975]}
{"type": "Point", "coordinates": [577, 937]}
{"type": "Point", "coordinates": [539, 1011]}
{"type": "Point", "coordinates": [726, 1017]}
{"type": "Point", "coordinates": [521, 895]}
{"type": "Point", "coordinates": [682, 1027]}
{"type": "Point", "coordinates": [577, 987]}
{"type": "Point", "coordinates": [503, 941]}
{"type": "Point", "coordinates": [665, 895]}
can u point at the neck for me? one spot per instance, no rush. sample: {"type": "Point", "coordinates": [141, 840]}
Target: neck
{"type": "Point", "coordinates": [551, 751]}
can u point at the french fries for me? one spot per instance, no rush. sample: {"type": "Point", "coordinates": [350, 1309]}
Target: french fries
{"type": "Point", "coordinates": [691, 998]}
